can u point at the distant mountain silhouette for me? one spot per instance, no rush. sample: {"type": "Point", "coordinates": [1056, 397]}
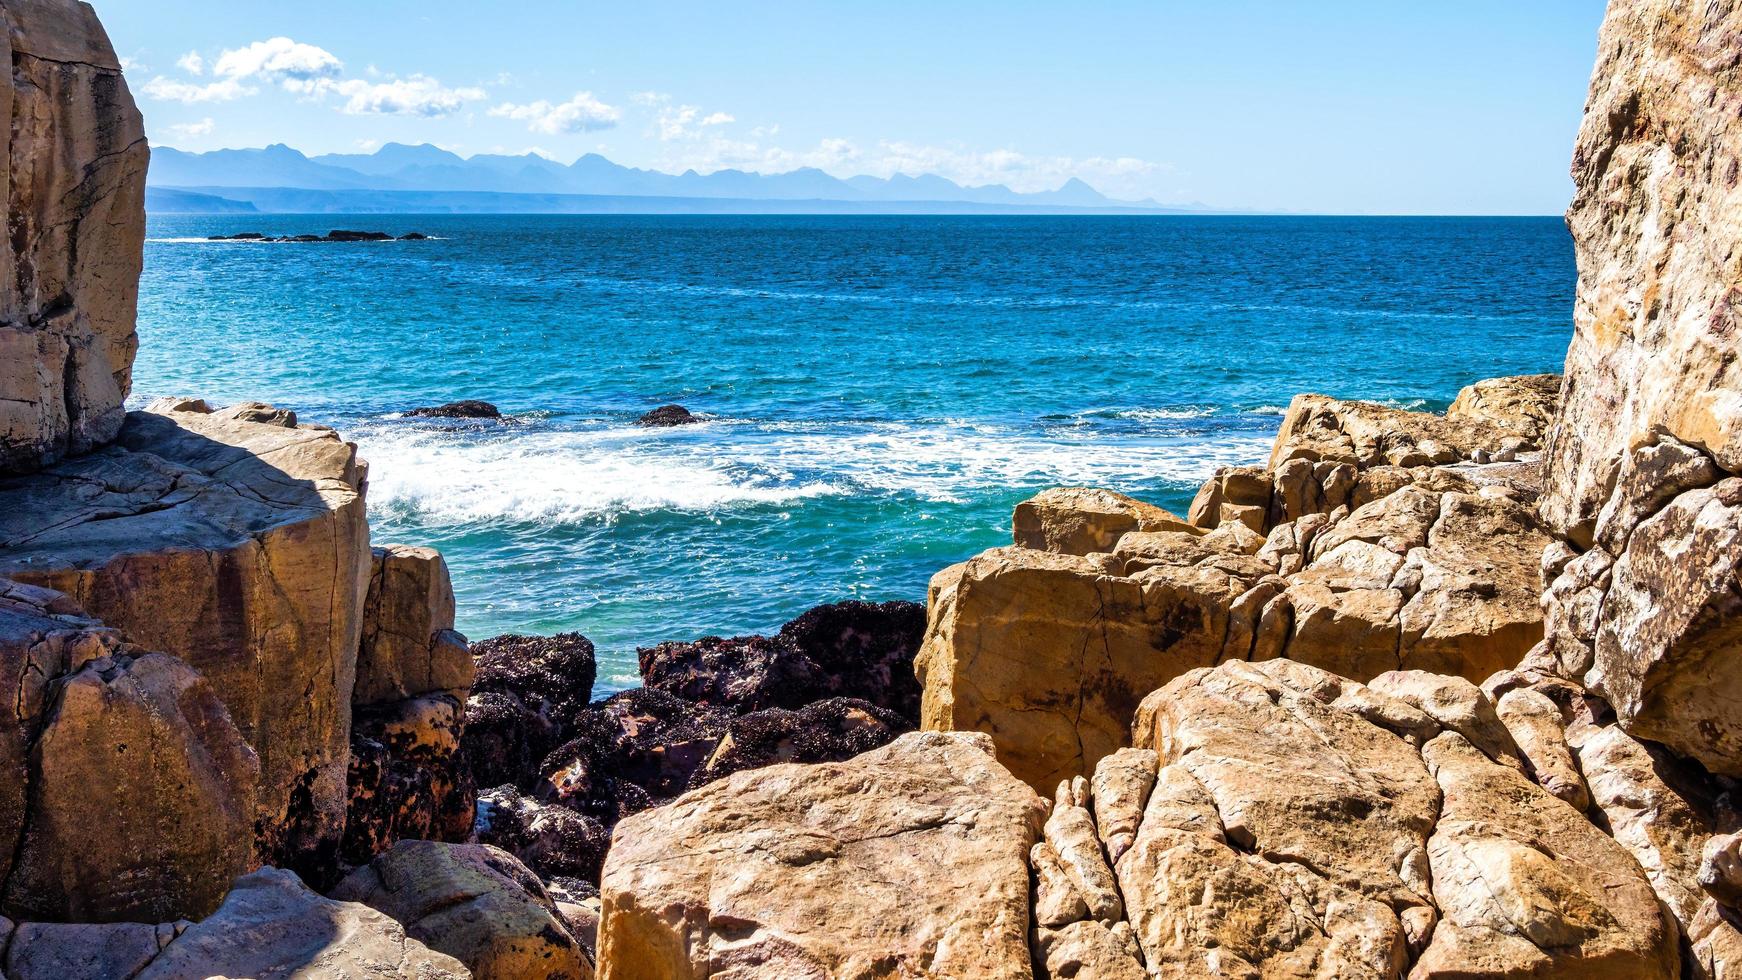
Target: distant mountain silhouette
{"type": "Point", "coordinates": [426, 169]}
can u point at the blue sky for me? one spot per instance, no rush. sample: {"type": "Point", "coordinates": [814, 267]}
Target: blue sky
{"type": "Point", "coordinates": [1439, 107]}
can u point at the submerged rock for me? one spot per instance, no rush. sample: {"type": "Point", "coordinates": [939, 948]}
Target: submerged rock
{"type": "Point", "coordinates": [464, 409]}
{"type": "Point", "coordinates": [667, 415]}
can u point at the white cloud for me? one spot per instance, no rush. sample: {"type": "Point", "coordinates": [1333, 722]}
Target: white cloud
{"type": "Point", "coordinates": [278, 59]}
{"type": "Point", "coordinates": [581, 114]}
{"type": "Point", "coordinates": [368, 146]}
{"type": "Point", "coordinates": [189, 93]}
{"type": "Point", "coordinates": [718, 119]}
{"type": "Point", "coordinates": [191, 63]}
{"type": "Point", "coordinates": [202, 128]}
{"type": "Point", "coordinates": [417, 95]}
{"type": "Point", "coordinates": [131, 64]}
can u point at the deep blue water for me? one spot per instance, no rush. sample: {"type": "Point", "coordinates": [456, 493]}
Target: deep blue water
{"type": "Point", "coordinates": [882, 390]}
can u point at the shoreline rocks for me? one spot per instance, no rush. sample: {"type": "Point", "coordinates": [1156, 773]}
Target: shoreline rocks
{"type": "Point", "coordinates": [464, 409]}
{"type": "Point", "coordinates": [666, 416]}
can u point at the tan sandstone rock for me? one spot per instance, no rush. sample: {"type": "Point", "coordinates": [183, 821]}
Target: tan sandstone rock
{"type": "Point", "coordinates": [75, 161]}
{"type": "Point", "coordinates": [1538, 730]}
{"type": "Point", "coordinates": [271, 927]}
{"type": "Point", "coordinates": [910, 860]}
{"type": "Point", "coordinates": [128, 791]}
{"type": "Point", "coordinates": [408, 646]}
{"type": "Point", "coordinates": [473, 902]}
{"type": "Point", "coordinates": [1081, 520]}
{"type": "Point", "coordinates": [243, 548]}
{"type": "Point", "coordinates": [1526, 886]}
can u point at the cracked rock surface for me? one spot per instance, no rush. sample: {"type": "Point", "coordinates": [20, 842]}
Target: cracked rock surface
{"type": "Point", "coordinates": [910, 860]}
{"type": "Point", "coordinates": [1432, 566]}
{"type": "Point", "coordinates": [73, 199]}
{"type": "Point", "coordinates": [242, 547]}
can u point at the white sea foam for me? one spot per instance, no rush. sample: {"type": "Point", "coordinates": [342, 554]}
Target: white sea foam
{"type": "Point", "coordinates": [571, 476]}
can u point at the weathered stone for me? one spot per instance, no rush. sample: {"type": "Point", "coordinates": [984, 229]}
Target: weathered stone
{"type": "Point", "coordinates": [1670, 624]}
{"type": "Point", "coordinates": [1526, 886]}
{"type": "Point", "coordinates": [1082, 521]}
{"type": "Point", "coordinates": [1051, 657]}
{"type": "Point", "coordinates": [1539, 731]}
{"type": "Point", "coordinates": [69, 951]}
{"type": "Point", "coordinates": [75, 161]}
{"type": "Point", "coordinates": [928, 835]}
{"type": "Point", "coordinates": [409, 647]}
{"type": "Point", "coordinates": [1071, 832]}
{"type": "Point", "coordinates": [848, 649]}
{"type": "Point", "coordinates": [1456, 704]}
{"type": "Point", "coordinates": [406, 776]}
{"type": "Point", "coordinates": [635, 749]}
{"type": "Point", "coordinates": [1057, 902]}
{"type": "Point", "coordinates": [1720, 871]}
{"type": "Point", "coordinates": [1085, 951]}
{"type": "Point", "coordinates": [1655, 823]}
{"type": "Point", "coordinates": [271, 927]}
{"type": "Point", "coordinates": [1120, 790]}
{"type": "Point", "coordinates": [1357, 805]}
{"type": "Point", "coordinates": [1654, 215]}
{"type": "Point", "coordinates": [141, 799]}
{"type": "Point", "coordinates": [242, 548]}
{"type": "Point", "coordinates": [473, 902]}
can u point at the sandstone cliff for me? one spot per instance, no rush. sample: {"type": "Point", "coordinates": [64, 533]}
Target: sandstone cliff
{"type": "Point", "coordinates": [74, 204]}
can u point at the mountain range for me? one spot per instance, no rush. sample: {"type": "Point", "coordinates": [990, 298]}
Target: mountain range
{"type": "Point", "coordinates": [278, 178]}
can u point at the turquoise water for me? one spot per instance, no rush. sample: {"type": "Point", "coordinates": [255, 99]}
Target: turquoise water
{"type": "Point", "coordinates": [880, 391]}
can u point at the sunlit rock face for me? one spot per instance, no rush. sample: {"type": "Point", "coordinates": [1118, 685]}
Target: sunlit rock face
{"type": "Point", "coordinates": [72, 190]}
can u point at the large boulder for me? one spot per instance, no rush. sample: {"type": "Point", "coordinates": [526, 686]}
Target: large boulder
{"type": "Point", "coordinates": [74, 204]}
{"type": "Point", "coordinates": [242, 547]}
{"type": "Point", "coordinates": [272, 927]}
{"type": "Point", "coordinates": [128, 792]}
{"type": "Point", "coordinates": [910, 860]}
{"type": "Point", "coordinates": [474, 902]}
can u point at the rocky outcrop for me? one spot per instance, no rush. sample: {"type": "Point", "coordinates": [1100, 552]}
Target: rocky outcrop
{"type": "Point", "coordinates": [1050, 653]}
{"type": "Point", "coordinates": [822, 731]}
{"type": "Point", "coordinates": [128, 791]}
{"type": "Point", "coordinates": [473, 902]}
{"type": "Point", "coordinates": [552, 839]}
{"type": "Point", "coordinates": [407, 776]}
{"type": "Point", "coordinates": [1082, 520]}
{"type": "Point", "coordinates": [74, 204]}
{"type": "Point", "coordinates": [910, 860]}
{"type": "Point", "coordinates": [242, 548]}
{"type": "Point", "coordinates": [469, 408]}
{"type": "Point", "coordinates": [1394, 845]}
{"type": "Point", "coordinates": [526, 693]}
{"type": "Point", "coordinates": [848, 649]}
{"type": "Point", "coordinates": [271, 927]}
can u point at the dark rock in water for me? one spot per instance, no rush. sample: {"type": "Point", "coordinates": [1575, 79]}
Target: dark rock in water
{"type": "Point", "coordinates": [667, 415]}
{"type": "Point", "coordinates": [340, 235]}
{"type": "Point", "coordinates": [549, 838]}
{"type": "Point", "coordinates": [245, 236]}
{"type": "Point", "coordinates": [524, 699]}
{"type": "Point", "coordinates": [633, 750]}
{"type": "Point", "coordinates": [299, 238]}
{"type": "Point", "coordinates": [414, 236]}
{"type": "Point", "coordinates": [469, 408]}
{"type": "Point", "coordinates": [824, 731]}
{"type": "Point", "coordinates": [848, 649]}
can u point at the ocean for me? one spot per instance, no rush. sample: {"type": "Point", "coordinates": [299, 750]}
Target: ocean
{"type": "Point", "coordinates": [879, 392]}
